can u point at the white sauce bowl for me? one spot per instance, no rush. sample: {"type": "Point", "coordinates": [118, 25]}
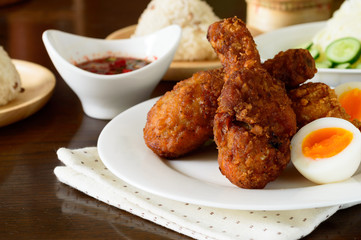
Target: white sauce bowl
{"type": "Point", "coordinates": [105, 96]}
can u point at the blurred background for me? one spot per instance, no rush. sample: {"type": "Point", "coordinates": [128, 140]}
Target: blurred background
{"type": "Point", "coordinates": [23, 21]}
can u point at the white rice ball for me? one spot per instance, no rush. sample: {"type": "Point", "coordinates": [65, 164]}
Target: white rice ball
{"type": "Point", "coordinates": [10, 84]}
{"type": "Point", "coordinates": [193, 16]}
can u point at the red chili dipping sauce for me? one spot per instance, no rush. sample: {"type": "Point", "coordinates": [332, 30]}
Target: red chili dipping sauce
{"type": "Point", "coordinates": [112, 65]}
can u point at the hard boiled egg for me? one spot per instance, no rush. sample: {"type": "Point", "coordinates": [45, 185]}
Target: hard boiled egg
{"type": "Point", "coordinates": [349, 95]}
{"type": "Point", "coordinates": [327, 150]}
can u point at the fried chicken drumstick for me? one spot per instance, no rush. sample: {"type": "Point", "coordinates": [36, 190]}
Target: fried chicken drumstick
{"type": "Point", "coordinates": [254, 120]}
{"type": "Point", "coordinates": [182, 120]}
{"type": "Point", "coordinates": [312, 101]}
{"type": "Point", "coordinates": [293, 67]}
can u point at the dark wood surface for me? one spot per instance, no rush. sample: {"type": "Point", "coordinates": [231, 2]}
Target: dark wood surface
{"type": "Point", "coordinates": [33, 204]}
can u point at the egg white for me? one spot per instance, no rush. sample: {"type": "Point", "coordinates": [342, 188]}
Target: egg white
{"type": "Point", "coordinates": [327, 170]}
{"type": "Point", "coordinates": [345, 87]}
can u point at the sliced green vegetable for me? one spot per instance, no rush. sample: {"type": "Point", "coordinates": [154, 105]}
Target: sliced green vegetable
{"type": "Point", "coordinates": [343, 66]}
{"type": "Point", "coordinates": [324, 64]}
{"type": "Point", "coordinates": [358, 66]}
{"type": "Point", "coordinates": [305, 45]}
{"type": "Point", "coordinates": [344, 50]}
{"type": "Point", "coordinates": [315, 53]}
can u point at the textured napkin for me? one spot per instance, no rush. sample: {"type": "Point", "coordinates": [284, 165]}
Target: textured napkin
{"type": "Point", "coordinates": [85, 172]}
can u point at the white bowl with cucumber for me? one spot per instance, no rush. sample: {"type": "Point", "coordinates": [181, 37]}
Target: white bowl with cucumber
{"type": "Point", "coordinates": [339, 62]}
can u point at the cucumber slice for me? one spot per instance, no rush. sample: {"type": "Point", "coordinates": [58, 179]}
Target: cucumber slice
{"type": "Point", "coordinates": [344, 50]}
{"type": "Point", "coordinates": [306, 45]}
{"type": "Point", "coordinates": [343, 66]}
{"type": "Point", "coordinates": [324, 64]}
{"type": "Point", "coordinates": [314, 52]}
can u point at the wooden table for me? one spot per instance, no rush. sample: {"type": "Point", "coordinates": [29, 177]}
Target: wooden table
{"type": "Point", "coordinates": [33, 204]}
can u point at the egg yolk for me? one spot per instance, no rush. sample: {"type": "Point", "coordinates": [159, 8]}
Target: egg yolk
{"type": "Point", "coordinates": [351, 102]}
{"type": "Point", "coordinates": [326, 142]}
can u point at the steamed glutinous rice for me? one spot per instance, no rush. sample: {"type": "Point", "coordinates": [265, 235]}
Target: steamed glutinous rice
{"type": "Point", "coordinates": [345, 22]}
{"type": "Point", "coordinates": [193, 16]}
{"type": "Point", "coordinates": [10, 84]}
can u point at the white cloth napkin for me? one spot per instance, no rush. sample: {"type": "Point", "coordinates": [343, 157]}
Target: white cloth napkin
{"type": "Point", "coordinates": [85, 172]}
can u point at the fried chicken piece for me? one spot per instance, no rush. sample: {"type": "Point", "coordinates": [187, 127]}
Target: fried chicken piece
{"type": "Point", "coordinates": [254, 121]}
{"type": "Point", "coordinates": [182, 120]}
{"type": "Point", "coordinates": [165, 127]}
{"type": "Point", "coordinates": [312, 101]}
{"type": "Point", "coordinates": [293, 67]}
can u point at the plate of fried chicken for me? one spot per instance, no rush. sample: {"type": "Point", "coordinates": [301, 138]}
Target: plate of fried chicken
{"type": "Point", "coordinates": [222, 137]}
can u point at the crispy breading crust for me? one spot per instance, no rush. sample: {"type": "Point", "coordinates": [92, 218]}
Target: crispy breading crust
{"type": "Point", "coordinates": [170, 135]}
{"type": "Point", "coordinates": [293, 67]}
{"type": "Point", "coordinates": [168, 107]}
{"type": "Point", "coordinates": [182, 119]}
{"type": "Point", "coordinates": [312, 101]}
{"type": "Point", "coordinates": [254, 121]}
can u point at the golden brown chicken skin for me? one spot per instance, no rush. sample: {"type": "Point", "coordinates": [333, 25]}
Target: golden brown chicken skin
{"type": "Point", "coordinates": [182, 120]}
{"type": "Point", "coordinates": [165, 127]}
{"type": "Point", "coordinates": [254, 121]}
{"type": "Point", "coordinates": [293, 67]}
{"type": "Point", "coordinates": [312, 101]}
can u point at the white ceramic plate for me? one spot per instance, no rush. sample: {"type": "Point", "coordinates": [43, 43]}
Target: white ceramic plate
{"type": "Point", "coordinates": [196, 178]}
{"type": "Point", "coordinates": [38, 83]}
{"type": "Point", "coordinates": [269, 44]}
